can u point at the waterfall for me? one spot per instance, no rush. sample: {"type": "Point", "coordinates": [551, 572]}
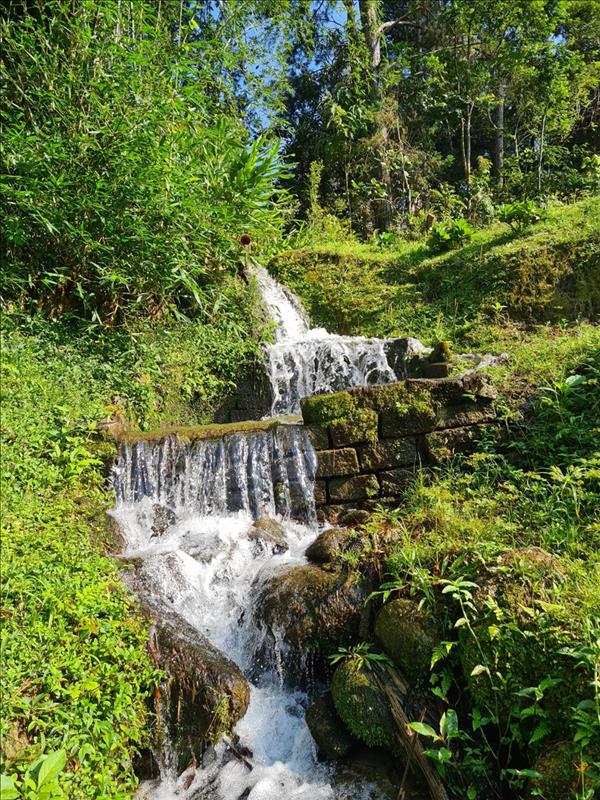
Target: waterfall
{"type": "Point", "coordinates": [186, 510]}
{"type": "Point", "coordinates": [305, 361]}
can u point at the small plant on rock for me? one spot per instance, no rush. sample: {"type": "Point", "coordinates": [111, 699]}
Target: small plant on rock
{"type": "Point", "coordinates": [361, 655]}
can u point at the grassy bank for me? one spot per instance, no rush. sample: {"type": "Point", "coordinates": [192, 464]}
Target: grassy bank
{"type": "Point", "coordinates": [76, 675]}
{"type": "Point", "coordinates": [547, 272]}
{"type": "Point", "coordinates": [499, 550]}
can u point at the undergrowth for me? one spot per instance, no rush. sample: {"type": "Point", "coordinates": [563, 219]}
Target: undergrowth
{"type": "Point", "coordinates": [76, 674]}
{"type": "Point", "coordinates": [503, 548]}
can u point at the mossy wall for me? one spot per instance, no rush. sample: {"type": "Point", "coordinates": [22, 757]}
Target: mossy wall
{"type": "Point", "coordinates": [370, 440]}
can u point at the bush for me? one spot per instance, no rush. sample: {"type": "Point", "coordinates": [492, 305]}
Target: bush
{"type": "Point", "coordinates": [520, 214]}
{"type": "Point", "coordinates": [450, 235]}
{"type": "Point", "coordinates": [126, 185]}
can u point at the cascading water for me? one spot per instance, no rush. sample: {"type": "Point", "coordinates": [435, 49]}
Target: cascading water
{"type": "Point", "coordinates": [207, 568]}
{"type": "Point", "coordinates": [305, 361]}
{"type": "Point", "coordinates": [202, 562]}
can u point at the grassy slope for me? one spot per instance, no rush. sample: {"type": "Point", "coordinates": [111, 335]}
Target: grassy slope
{"type": "Point", "coordinates": [547, 273]}
{"type": "Point", "coordinates": [76, 674]}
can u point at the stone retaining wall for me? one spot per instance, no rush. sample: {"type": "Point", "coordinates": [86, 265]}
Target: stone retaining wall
{"type": "Point", "coordinates": [369, 441]}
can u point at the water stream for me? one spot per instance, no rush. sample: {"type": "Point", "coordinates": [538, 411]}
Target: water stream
{"type": "Point", "coordinates": [304, 361]}
{"type": "Point", "coordinates": [186, 511]}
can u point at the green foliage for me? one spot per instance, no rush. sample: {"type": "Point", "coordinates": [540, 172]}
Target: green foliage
{"type": "Point", "coordinates": [450, 235]}
{"type": "Point", "coordinates": [39, 781]}
{"type": "Point", "coordinates": [76, 673]}
{"type": "Point", "coordinates": [127, 184]}
{"type": "Point", "coordinates": [520, 214]}
{"type": "Point", "coordinates": [361, 656]}
{"type": "Point", "coordinates": [503, 552]}
{"type": "Point", "coordinates": [547, 272]}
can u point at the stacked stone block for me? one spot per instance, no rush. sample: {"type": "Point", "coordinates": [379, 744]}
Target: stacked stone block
{"type": "Point", "coordinates": [369, 441]}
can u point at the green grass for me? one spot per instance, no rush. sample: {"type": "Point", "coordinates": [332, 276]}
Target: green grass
{"type": "Point", "coordinates": [548, 272]}
{"type": "Point", "coordinates": [76, 675]}
{"type": "Point", "coordinates": [520, 520]}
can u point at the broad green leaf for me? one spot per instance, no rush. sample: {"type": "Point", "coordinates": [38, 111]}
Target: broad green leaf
{"type": "Point", "coordinates": [52, 766]}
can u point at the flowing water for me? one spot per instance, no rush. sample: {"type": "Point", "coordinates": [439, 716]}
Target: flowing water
{"type": "Point", "coordinates": [304, 361]}
{"type": "Point", "coordinates": [186, 511]}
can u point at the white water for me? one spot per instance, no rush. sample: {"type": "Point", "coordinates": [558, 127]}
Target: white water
{"type": "Point", "coordinates": [305, 361]}
{"type": "Point", "coordinates": [207, 569]}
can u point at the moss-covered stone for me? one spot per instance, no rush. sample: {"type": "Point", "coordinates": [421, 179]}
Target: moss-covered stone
{"type": "Point", "coordinates": [363, 706]}
{"type": "Point", "coordinates": [331, 737]}
{"type": "Point", "coordinates": [324, 409]}
{"type": "Point", "coordinates": [408, 636]}
{"type": "Point", "coordinates": [466, 414]}
{"type": "Point", "coordinates": [394, 481]}
{"type": "Point", "coordinates": [411, 410]}
{"type": "Point", "coordinates": [360, 427]}
{"type": "Point", "coordinates": [315, 610]}
{"type": "Point", "coordinates": [320, 492]}
{"type": "Point", "coordinates": [388, 453]}
{"type": "Point", "coordinates": [335, 463]}
{"type": "Point", "coordinates": [331, 543]}
{"type": "Point", "coordinates": [557, 765]}
{"type": "Point", "coordinates": [442, 445]}
{"type": "Point", "coordinates": [359, 487]}
{"type": "Point", "coordinates": [441, 353]}
{"type": "Point", "coordinates": [206, 692]}
{"type": "Point", "coordinates": [217, 431]}
{"type": "Point", "coordinates": [319, 437]}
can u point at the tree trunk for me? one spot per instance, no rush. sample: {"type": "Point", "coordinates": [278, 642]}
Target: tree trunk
{"type": "Point", "coordinates": [541, 154]}
{"type": "Point", "coordinates": [373, 33]}
{"type": "Point", "coordinates": [498, 152]}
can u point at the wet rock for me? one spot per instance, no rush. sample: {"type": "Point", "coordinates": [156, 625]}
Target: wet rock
{"type": "Point", "coordinates": [319, 438]}
{"type": "Point", "coordinates": [204, 693]}
{"type": "Point", "coordinates": [408, 636]}
{"type": "Point", "coordinates": [162, 519]}
{"type": "Point", "coordinates": [269, 532]}
{"type": "Point", "coordinates": [359, 487]}
{"type": "Point", "coordinates": [332, 739]}
{"type": "Point", "coordinates": [312, 609]}
{"type": "Point", "coordinates": [336, 462]}
{"type": "Point", "coordinates": [330, 544]}
{"type": "Point", "coordinates": [363, 706]}
{"type": "Point", "coordinates": [354, 516]}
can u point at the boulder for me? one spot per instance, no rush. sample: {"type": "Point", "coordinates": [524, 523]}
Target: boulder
{"type": "Point", "coordinates": [407, 635]}
{"type": "Point", "coordinates": [313, 610]}
{"type": "Point", "coordinates": [203, 695]}
{"type": "Point", "coordinates": [332, 739]}
{"type": "Point", "coordinates": [270, 533]}
{"type": "Point", "coordinates": [331, 543]}
{"type": "Point", "coordinates": [363, 706]}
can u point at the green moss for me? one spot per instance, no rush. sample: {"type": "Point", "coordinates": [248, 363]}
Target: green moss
{"type": "Point", "coordinates": [441, 353]}
{"type": "Point", "coordinates": [363, 706]}
{"type": "Point", "coordinates": [327, 408]}
{"type": "Point", "coordinates": [408, 636]}
{"type": "Point", "coordinates": [361, 426]}
{"type": "Point", "coordinates": [216, 431]}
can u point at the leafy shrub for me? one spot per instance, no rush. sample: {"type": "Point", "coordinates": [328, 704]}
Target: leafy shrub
{"type": "Point", "coordinates": [126, 186]}
{"type": "Point", "coordinates": [450, 235]}
{"type": "Point", "coordinates": [520, 214]}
